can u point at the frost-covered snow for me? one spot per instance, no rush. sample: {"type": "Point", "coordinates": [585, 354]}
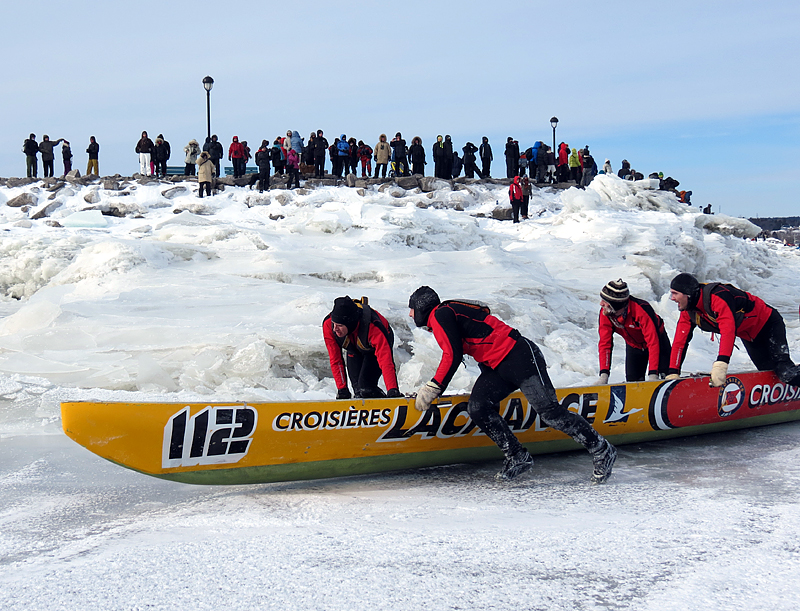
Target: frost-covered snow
{"type": "Point", "coordinates": [222, 298]}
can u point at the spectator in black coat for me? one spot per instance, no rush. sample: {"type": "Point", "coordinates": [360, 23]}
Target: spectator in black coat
{"type": "Point", "coordinates": [470, 167]}
{"type": "Point", "coordinates": [485, 153]}
{"type": "Point", "coordinates": [216, 152]}
{"type": "Point", "coordinates": [46, 149]}
{"type": "Point", "coordinates": [161, 153]}
{"type": "Point", "coordinates": [512, 158]}
{"type": "Point", "coordinates": [263, 156]}
{"type": "Point", "coordinates": [417, 153]}
{"type": "Point", "coordinates": [400, 158]}
{"type": "Point", "coordinates": [320, 148]}
{"type": "Point", "coordinates": [94, 151]}
{"type": "Point", "coordinates": [439, 164]}
{"type": "Point", "coordinates": [31, 148]}
{"type": "Point", "coordinates": [66, 156]}
{"type": "Point", "coordinates": [448, 157]}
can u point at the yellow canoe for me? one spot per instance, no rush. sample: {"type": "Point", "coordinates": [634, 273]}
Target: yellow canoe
{"type": "Point", "coordinates": [243, 443]}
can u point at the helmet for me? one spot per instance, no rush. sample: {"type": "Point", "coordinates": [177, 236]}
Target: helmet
{"type": "Point", "coordinates": [422, 301]}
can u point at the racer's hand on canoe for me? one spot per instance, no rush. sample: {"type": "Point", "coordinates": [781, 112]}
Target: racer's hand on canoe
{"type": "Point", "coordinates": [673, 376]}
{"type": "Point", "coordinates": [719, 371]}
{"type": "Point", "coordinates": [427, 395]}
{"type": "Point", "coordinates": [603, 378]}
{"type": "Point", "coordinates": [393, 393]}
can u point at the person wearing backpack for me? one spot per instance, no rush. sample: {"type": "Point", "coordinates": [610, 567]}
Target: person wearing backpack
{"type": "Point", "coordinates": [647, 345]}
{"type": "Point", "coordinates": [31, 148]}
{"type": "Point", "coordinates": [729, 312]}
{"type": "Point", "coordinates": [278, 157]}
{"type": "Point", "coordinates": [367, 339]}
{"type": "Point", "coordinates": [508, 361]}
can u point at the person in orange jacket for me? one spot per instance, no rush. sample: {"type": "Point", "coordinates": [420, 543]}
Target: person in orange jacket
{"type": "Point", "coordinates": [646, 341]}
{"type": "Point", "coordinates": [730, 312]}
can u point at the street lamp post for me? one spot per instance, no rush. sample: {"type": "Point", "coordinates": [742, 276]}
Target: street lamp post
{"type": "Point", "coordinates": [208, 83]}
{"type": "Point", "coordinates": [554, 124]}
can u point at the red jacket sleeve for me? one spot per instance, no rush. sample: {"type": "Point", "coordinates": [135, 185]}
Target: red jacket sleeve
{"type": "Point", "coordinates": [606, 344]}
{"type": "Point", "coordinates": [683, 335]}
{"type": "Point", "coordinates": [335, 354]}
{"type": "Point", "coordinates": [442, 322]}
{"type": "Point", "coordinates": [383, 353]}
{"type": "Point", "coordinates": [727, 327]}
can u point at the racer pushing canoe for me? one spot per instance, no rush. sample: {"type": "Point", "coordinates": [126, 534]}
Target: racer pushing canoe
{"type": "Point", "coordinates": [508, 361]}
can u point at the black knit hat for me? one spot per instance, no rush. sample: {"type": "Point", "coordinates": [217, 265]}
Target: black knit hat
{"type": "Point", "coordinates": [686, 284]}
{"type": "Point", "coordinates": [345, 312]}
{"type": "Point", "coordinates": [422, 301]}
{"type": "Point", "coordinates": [616, 293]}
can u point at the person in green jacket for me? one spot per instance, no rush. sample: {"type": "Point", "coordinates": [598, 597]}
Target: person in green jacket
{"type": "Point", "coordinates": [574, 166]}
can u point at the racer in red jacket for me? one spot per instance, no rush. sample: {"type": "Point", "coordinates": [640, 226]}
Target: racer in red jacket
{"type": "Point", "coordinates": [508, 361]}
{"type": "Point", "coordinates": [647, 343]}
{"type": "Point", "coordinates": [731, 313]}
{"type": "Point", "coordinates": [367, 338]}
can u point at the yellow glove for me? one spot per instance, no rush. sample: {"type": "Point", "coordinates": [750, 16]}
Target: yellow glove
{"type": "Point", "coordinates": [426, 395]}
{"type": "Point", "coordinates": [673, 376]}
{"type": "Point", "coordinates": [719, 371]}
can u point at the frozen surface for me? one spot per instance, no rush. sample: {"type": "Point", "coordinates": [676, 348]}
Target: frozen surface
{"type": "Point", "coordinates": [705, 523]}
{"type": "Point", "coordinates": [175, 298]}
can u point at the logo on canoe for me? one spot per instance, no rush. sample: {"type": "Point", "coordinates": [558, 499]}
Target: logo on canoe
{"type": "Point", "coordinates": [219, 434]}
{"type": "Point", "coordinates": [731, 397]}
{"type": "Point", "coordinates": [616, 406]}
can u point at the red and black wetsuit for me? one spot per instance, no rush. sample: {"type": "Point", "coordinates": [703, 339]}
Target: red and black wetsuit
{"type": "Point", "coordinates": [508, 361]}
{"type": "Point", "coordinates": [646, 339]}
{"type": "Point", "coordinates": [365, 363]}
{"type": "Point", "coordinates": [731, 313]}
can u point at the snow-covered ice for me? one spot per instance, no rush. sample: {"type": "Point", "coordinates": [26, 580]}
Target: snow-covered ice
{"type": "Point", "coordinates": [222, 298]}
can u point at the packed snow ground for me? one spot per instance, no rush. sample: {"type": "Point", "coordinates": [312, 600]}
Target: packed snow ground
{"type": "Point", "coordinates": [222, 298]}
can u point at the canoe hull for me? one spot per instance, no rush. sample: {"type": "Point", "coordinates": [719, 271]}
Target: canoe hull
{"type": "Point", "coordinates": [246, 443]}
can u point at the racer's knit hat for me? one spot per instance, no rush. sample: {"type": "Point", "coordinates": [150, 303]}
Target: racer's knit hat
{"type": "Point", "coordinates": [422, 301]}
{"type": "Point", "coordinates": [686, 284]}
{"type": "Point", "coordinates": [345, 312]}
{"type": "Point", "coordinates": [616, 293]}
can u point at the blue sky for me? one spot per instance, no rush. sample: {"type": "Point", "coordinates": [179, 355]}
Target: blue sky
{"type": "Point", "coordinates": [704, 92]}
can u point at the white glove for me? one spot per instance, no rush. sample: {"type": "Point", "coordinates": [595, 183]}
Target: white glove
{"type": "Point", "coordinates": [673, 376]}
{"type": "Point", "coordinates": [426, 395]}
{"type": "Point", "coordinates": [652, 377]}
{"type": "Point", "coordinates": [719, 371]}
{"type": "Point", "coordinates": [603, 378]}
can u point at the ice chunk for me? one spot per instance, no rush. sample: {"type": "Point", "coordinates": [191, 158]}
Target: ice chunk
{"type": "Point", "coordinates": [85, 218]}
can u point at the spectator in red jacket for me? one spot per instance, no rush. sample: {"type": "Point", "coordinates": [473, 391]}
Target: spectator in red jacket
{"type": "Point", "coordinates": [730, 312]}
{"type": "Point", "coordinates": [515, 196]}
{"type": "Point", "coordinates": [365, 155]}
{"type": "Point", "coordinates": [508, 361]}
{"type": "Point", "coordinates": [647, 347]}
{"type": "Point", "coordinates": [236, 155]}
{"type": "Point", "coordinates": [367, 338]}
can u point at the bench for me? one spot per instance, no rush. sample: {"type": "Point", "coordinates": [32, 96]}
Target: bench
{"type": "Point", "coordinates": [176, 170]}
{"type": "Point", "coordinates": [247, 170]}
